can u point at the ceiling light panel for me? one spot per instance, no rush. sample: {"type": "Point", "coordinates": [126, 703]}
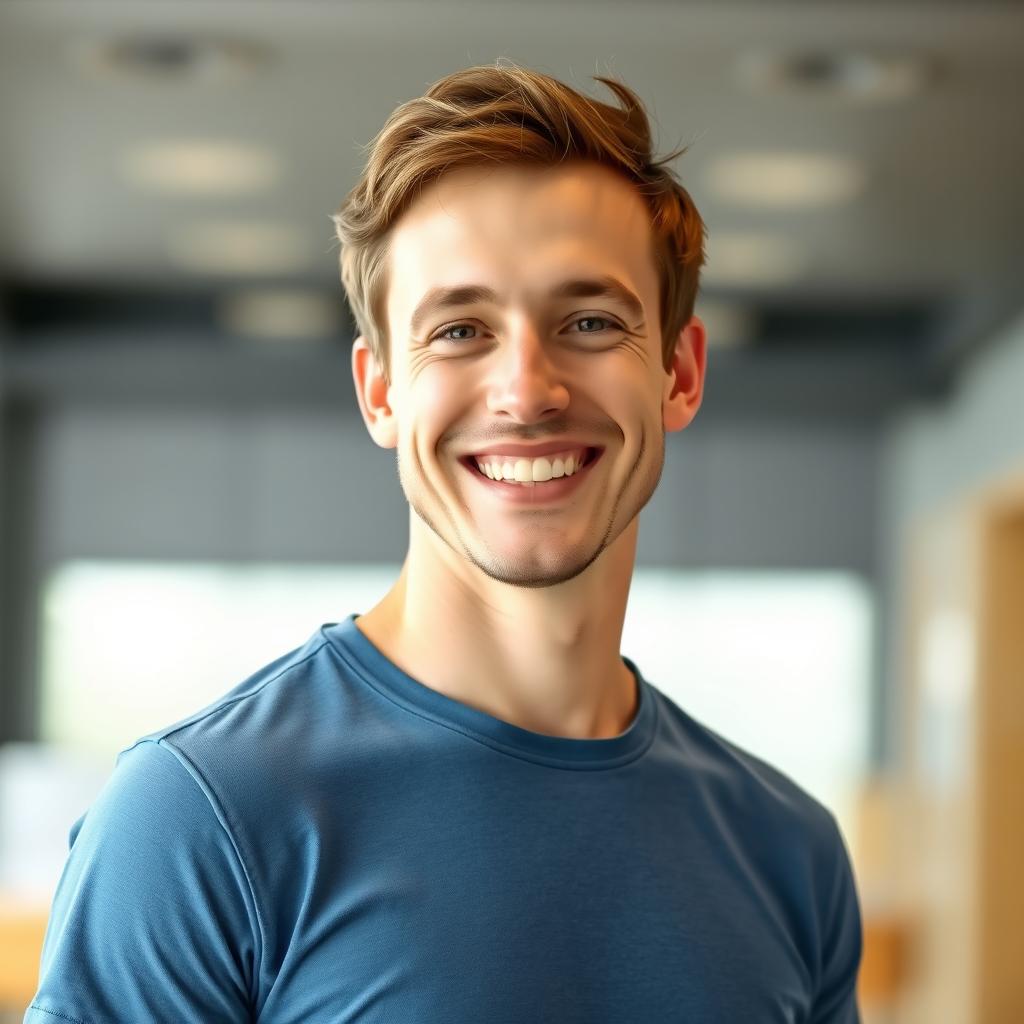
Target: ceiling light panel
{"type": "Point", "coordinates": [784, 179]}
{"type": "Point", "coordinates": [239, 247]}
{"type": "Point", "coordinates": [727, 325]}
{"type": "Point", "coordinates": [746, 259]}
{"type": "Point", "coordinates": [280, 314]}
{"type": "Point", "coordinates": [200, 167]}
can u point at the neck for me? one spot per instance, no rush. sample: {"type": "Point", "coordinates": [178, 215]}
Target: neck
{"type": "Point", "coordinates": [545, 659]}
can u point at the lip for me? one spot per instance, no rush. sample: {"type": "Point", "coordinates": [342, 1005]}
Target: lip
{"type": "Point", "coordinates": [535, 451]}
{"type": "Point", "coordinates": [544, 493]}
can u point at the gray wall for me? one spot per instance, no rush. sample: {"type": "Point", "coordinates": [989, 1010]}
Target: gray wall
{"type": "Point", "coordinates": [159, 481]}
{"type": "Point", "coordinates": [313, 486]}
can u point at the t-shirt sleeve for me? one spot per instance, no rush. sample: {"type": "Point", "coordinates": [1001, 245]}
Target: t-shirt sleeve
{"type": "Point", "coordinates": [153, 917]}
{"type": "Point", "coordinates": [842, 941]}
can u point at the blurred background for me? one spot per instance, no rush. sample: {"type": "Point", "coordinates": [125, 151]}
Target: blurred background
{"type": "Point", "coordinates": [187, 489]}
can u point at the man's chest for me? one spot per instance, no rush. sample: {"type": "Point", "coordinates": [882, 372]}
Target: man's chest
{"type": "Point", "coordinates": [536, 913]}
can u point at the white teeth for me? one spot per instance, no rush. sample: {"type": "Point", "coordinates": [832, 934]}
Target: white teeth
{"type": "Point", "coordinates": [541, 470]}
{"type": "Point", "coordinates": [527, 471]}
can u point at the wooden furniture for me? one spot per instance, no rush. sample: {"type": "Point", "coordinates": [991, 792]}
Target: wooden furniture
{"type": "Point", "coordinates": [21, 943]}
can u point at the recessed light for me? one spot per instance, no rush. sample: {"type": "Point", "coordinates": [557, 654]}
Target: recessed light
{"type": "Point", "coordinates": [842, 75]}
{"type": "Point", "coordinates": [168, 57]}
{"type": "Point", "coordinates": [201, 167]}
{"type": "Point", "coordinates": [239, 247]}
{"type": "Point", "coordinates": [280, 313]}
{"type": "Point", "coordinates": [742, 259]}
{"type": "Point", "coordinates": [784, 179]}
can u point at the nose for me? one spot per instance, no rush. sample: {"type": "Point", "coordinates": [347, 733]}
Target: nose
{"type": "Point", "coordinates": [526, 384]}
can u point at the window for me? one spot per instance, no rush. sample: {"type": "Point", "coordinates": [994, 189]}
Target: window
{"type": "Point", "coordinates": [778, 663]}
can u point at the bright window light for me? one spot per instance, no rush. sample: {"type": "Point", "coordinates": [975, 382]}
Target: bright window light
{"type": "Point", "coordinates": [777, 663]}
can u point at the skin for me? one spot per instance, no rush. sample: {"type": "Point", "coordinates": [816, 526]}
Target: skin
{"type": "Point", "coordinates": [515, 610]}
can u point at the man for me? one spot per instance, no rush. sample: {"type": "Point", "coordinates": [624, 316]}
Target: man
{"type": "Point", "coordinates": [465, 804]}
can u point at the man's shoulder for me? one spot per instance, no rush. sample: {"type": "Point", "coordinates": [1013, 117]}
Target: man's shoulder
{"type": "Point", "coordinates": [244, 713]}
{"type": "Point", "coordinates": [260, 739]}
{"type": "Point", "coordinates": [781, 835]}
{"type": "Point", "coordinates": [749, 790]}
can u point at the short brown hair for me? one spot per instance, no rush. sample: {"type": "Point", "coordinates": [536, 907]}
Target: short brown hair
{"type": "Point", "coordinates": [506, 113]}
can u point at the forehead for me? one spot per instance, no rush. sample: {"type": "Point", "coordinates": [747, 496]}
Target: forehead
{"type": "Point", "coordinates": [512, 228]}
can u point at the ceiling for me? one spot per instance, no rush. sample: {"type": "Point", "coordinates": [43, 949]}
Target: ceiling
{"type": "Point", "coordinates": [923, 260]}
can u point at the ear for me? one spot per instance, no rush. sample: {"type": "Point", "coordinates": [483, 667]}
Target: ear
{"type": "Point", "coordinates": [373, 393]}
{"type": "Point", "coordinates": [684, 380]}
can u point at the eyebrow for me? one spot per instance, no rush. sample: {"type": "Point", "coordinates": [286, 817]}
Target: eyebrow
{"type": "Point", "coordinates": [605, 287]}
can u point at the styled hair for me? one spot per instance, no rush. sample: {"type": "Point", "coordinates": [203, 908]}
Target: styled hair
{"type": "Point", "coordinates": [504, 113]}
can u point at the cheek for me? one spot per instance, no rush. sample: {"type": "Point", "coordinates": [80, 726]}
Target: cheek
{"type": "Point", "coordinates": [440, 404]}
{"type": "Point", "coordinates": [433, 391]}
{"type": "Point", "coordinates": [437, 385]}
{"type": "Point", "coordinates": [626, 397]}
{"type": "Point", "coordinates": [429, 412]}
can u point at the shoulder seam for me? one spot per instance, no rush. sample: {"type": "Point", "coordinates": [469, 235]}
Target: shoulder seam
{"type": "Point", "coordinates": [215, 805]}
{"type": "Point", "coordinates": [56, 1013]}
{"type": "Point", "coordinates": [158, 737]}
{"type": "Point", "coordinates": [837, 854]}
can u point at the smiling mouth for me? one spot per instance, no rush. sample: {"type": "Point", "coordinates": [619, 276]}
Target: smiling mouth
{"type": "Point", "coordinates": [591, 455]}
{"type": "Point", "coordinates": [553, 495]}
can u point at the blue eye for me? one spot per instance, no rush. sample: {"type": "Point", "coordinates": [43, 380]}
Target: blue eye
{"type": "Point", "coordinates": [604, 319]}
{"type": "Point", "coordinates": [442, 335]}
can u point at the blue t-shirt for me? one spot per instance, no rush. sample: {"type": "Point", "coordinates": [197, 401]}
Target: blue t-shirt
{"type": "Point", "coordinates": [334, 841]}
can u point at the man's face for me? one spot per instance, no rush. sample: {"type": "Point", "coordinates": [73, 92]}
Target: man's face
{"type": "Point", "coordinates": [527, 365]}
